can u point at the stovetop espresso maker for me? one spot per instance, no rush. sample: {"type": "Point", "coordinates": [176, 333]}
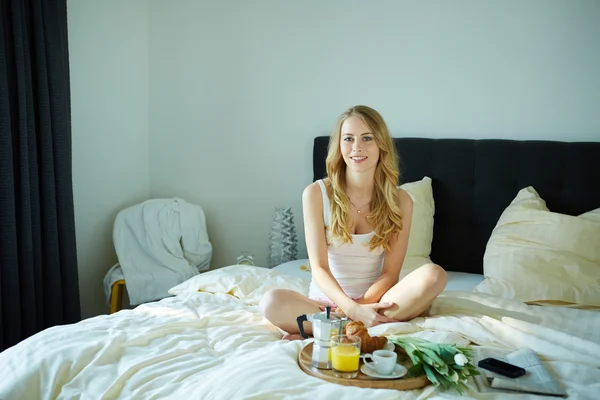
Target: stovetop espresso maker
{"type": "Point", "coordinates": [324, 325]}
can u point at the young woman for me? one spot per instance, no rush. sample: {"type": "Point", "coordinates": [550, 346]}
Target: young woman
{"type": "Point", "coordinates": [357, 223]}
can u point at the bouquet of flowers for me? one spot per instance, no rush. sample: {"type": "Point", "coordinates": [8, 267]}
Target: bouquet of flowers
{"type": "Point", "coordinates": [443, 364]}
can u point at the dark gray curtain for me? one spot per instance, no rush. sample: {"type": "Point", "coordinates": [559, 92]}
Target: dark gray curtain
{"type": "Point", "coordinates": [38, 260]}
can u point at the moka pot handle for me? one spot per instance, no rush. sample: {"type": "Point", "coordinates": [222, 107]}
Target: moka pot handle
{"type": "Point", "coordinates": [303, 318]}
{"type": "Point", "coordinates": [300, 320]}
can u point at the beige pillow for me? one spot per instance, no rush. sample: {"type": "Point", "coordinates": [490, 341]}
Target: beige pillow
{"type": "Point", "coordinates": [535, 255]}
{"type": "Point", "coordinates": [421, 230]}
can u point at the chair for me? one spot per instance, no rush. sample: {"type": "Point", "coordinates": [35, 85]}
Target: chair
{"type": "Point", "coordinates": [160, 243]}
{"type": "Point", "coordinates": [116, 296]}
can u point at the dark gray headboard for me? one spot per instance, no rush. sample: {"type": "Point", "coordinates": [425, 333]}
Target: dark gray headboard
{"type": "Point", "coordinates": [475, 180]}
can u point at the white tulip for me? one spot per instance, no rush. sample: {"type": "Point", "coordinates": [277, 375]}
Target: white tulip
{"type": "Point", "coordinates": [454, 377]}
{"type": "Point", "coordinates": [460, 359]}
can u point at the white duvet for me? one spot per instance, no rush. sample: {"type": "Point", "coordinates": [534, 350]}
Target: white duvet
{"type": "Point", "coordinates": [217, 346]}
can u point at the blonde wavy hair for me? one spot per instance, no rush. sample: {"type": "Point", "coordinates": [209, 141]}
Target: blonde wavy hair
{"type": "Point", "coordinates": [385, 216]}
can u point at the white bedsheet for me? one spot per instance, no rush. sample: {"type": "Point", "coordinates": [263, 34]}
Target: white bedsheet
{"type": "Point", "coordinates": [216, 346]}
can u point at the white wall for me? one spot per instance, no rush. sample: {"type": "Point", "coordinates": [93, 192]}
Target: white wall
{"type": "Point", "coordinates": [218, 101]}
{"type": "Point", "coordinates": [108, 49]}
{"type": "Point", "coordinates": [239, 89]}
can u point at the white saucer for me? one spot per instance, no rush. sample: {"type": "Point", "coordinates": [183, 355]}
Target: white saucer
{"type": "Point", "coordinates": [388, 346]}
{"type": "Point", "coordinates": [399, 372]}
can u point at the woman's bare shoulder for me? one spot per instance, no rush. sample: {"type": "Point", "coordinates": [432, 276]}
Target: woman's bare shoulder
{"type": "Point", "coordinates": [405, 199]}
{"type": "Point", "coordinates": [312, 192]}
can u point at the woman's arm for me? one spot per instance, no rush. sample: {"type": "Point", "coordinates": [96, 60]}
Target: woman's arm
{"type": "Point", "coordinates": [316, 244]}
{"type": "Point", "coordinates": [394, 258]}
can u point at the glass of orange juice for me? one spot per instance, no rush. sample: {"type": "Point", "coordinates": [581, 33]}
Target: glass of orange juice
{"type": "Point", "coordinates": [345, 356]}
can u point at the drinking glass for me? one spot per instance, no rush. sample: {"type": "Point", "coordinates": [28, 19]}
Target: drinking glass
{"type": "Point", "coordinates": [345, 356]}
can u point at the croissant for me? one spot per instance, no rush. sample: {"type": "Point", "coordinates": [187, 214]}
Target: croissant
{"type": "Point", "coordinates": [368, 343]}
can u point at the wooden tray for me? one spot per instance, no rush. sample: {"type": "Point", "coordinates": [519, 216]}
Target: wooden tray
{"type": "Point", "coordinates": [362, 380]}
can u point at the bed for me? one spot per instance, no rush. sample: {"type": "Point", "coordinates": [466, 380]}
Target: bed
{"type": "Point", "coordinates": [209, 341]}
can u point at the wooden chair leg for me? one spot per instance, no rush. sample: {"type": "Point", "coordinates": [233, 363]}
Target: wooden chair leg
{"type": "Point", "coordinates": [116, 296]}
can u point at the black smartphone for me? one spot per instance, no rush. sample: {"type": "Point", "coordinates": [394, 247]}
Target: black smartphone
{"type": "Point", "coordinates": [502, 368]}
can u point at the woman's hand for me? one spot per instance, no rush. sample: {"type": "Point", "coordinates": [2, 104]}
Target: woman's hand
{"type": "Point", "coordinates": [369, 314]}
{"type": "Point", "coordinates": [334, 310]}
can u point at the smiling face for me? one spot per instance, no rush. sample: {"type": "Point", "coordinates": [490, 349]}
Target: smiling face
{"type": "Point", "coordinates": [358, 146]}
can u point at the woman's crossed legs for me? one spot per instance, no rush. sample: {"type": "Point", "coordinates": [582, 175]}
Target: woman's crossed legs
{"type": "Point", "coordinates": [412, 296]}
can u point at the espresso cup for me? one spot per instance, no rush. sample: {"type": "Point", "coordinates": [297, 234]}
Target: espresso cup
{"type": "Point", "coordinates": [384, 361]}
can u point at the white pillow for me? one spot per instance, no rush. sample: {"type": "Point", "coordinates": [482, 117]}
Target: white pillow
{"type": "Point", "coordinates": [535, 255]}
{"type": "Point", "coordinates": [246, 282]}
{"type": "Point", "coordinates": [421, 230]}
{"type": "Point", "coordinates": [299, 268]}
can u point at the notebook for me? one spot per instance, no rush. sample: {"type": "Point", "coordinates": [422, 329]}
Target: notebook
{"type": "Point", "coordinates": [537, 379]}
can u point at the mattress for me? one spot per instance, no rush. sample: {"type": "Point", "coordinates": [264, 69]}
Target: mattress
{"type": "Point", "coordinates": [209, 341]}
{"type": "Point", "coordinates": [456, 280]}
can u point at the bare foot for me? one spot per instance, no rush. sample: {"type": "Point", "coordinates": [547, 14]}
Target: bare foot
{"type": "Point", "coordinates": [293, 336]}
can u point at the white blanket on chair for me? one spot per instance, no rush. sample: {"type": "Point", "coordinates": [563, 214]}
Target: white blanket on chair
{"type": "Point", "coordinates": [160, 243]}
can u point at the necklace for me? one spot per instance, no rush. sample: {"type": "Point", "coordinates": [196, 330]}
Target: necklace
{"type": "Point", "coordinates": [360, 208]}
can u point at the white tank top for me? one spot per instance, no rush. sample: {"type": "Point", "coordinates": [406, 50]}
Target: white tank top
{"type": "Point", "coordinates": [353, 265]}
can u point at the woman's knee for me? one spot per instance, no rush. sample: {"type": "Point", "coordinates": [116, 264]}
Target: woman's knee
{"type": "Point", "coordinates": [271, 301]}
{"type": "Point", "coordinates": [435, 277]}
